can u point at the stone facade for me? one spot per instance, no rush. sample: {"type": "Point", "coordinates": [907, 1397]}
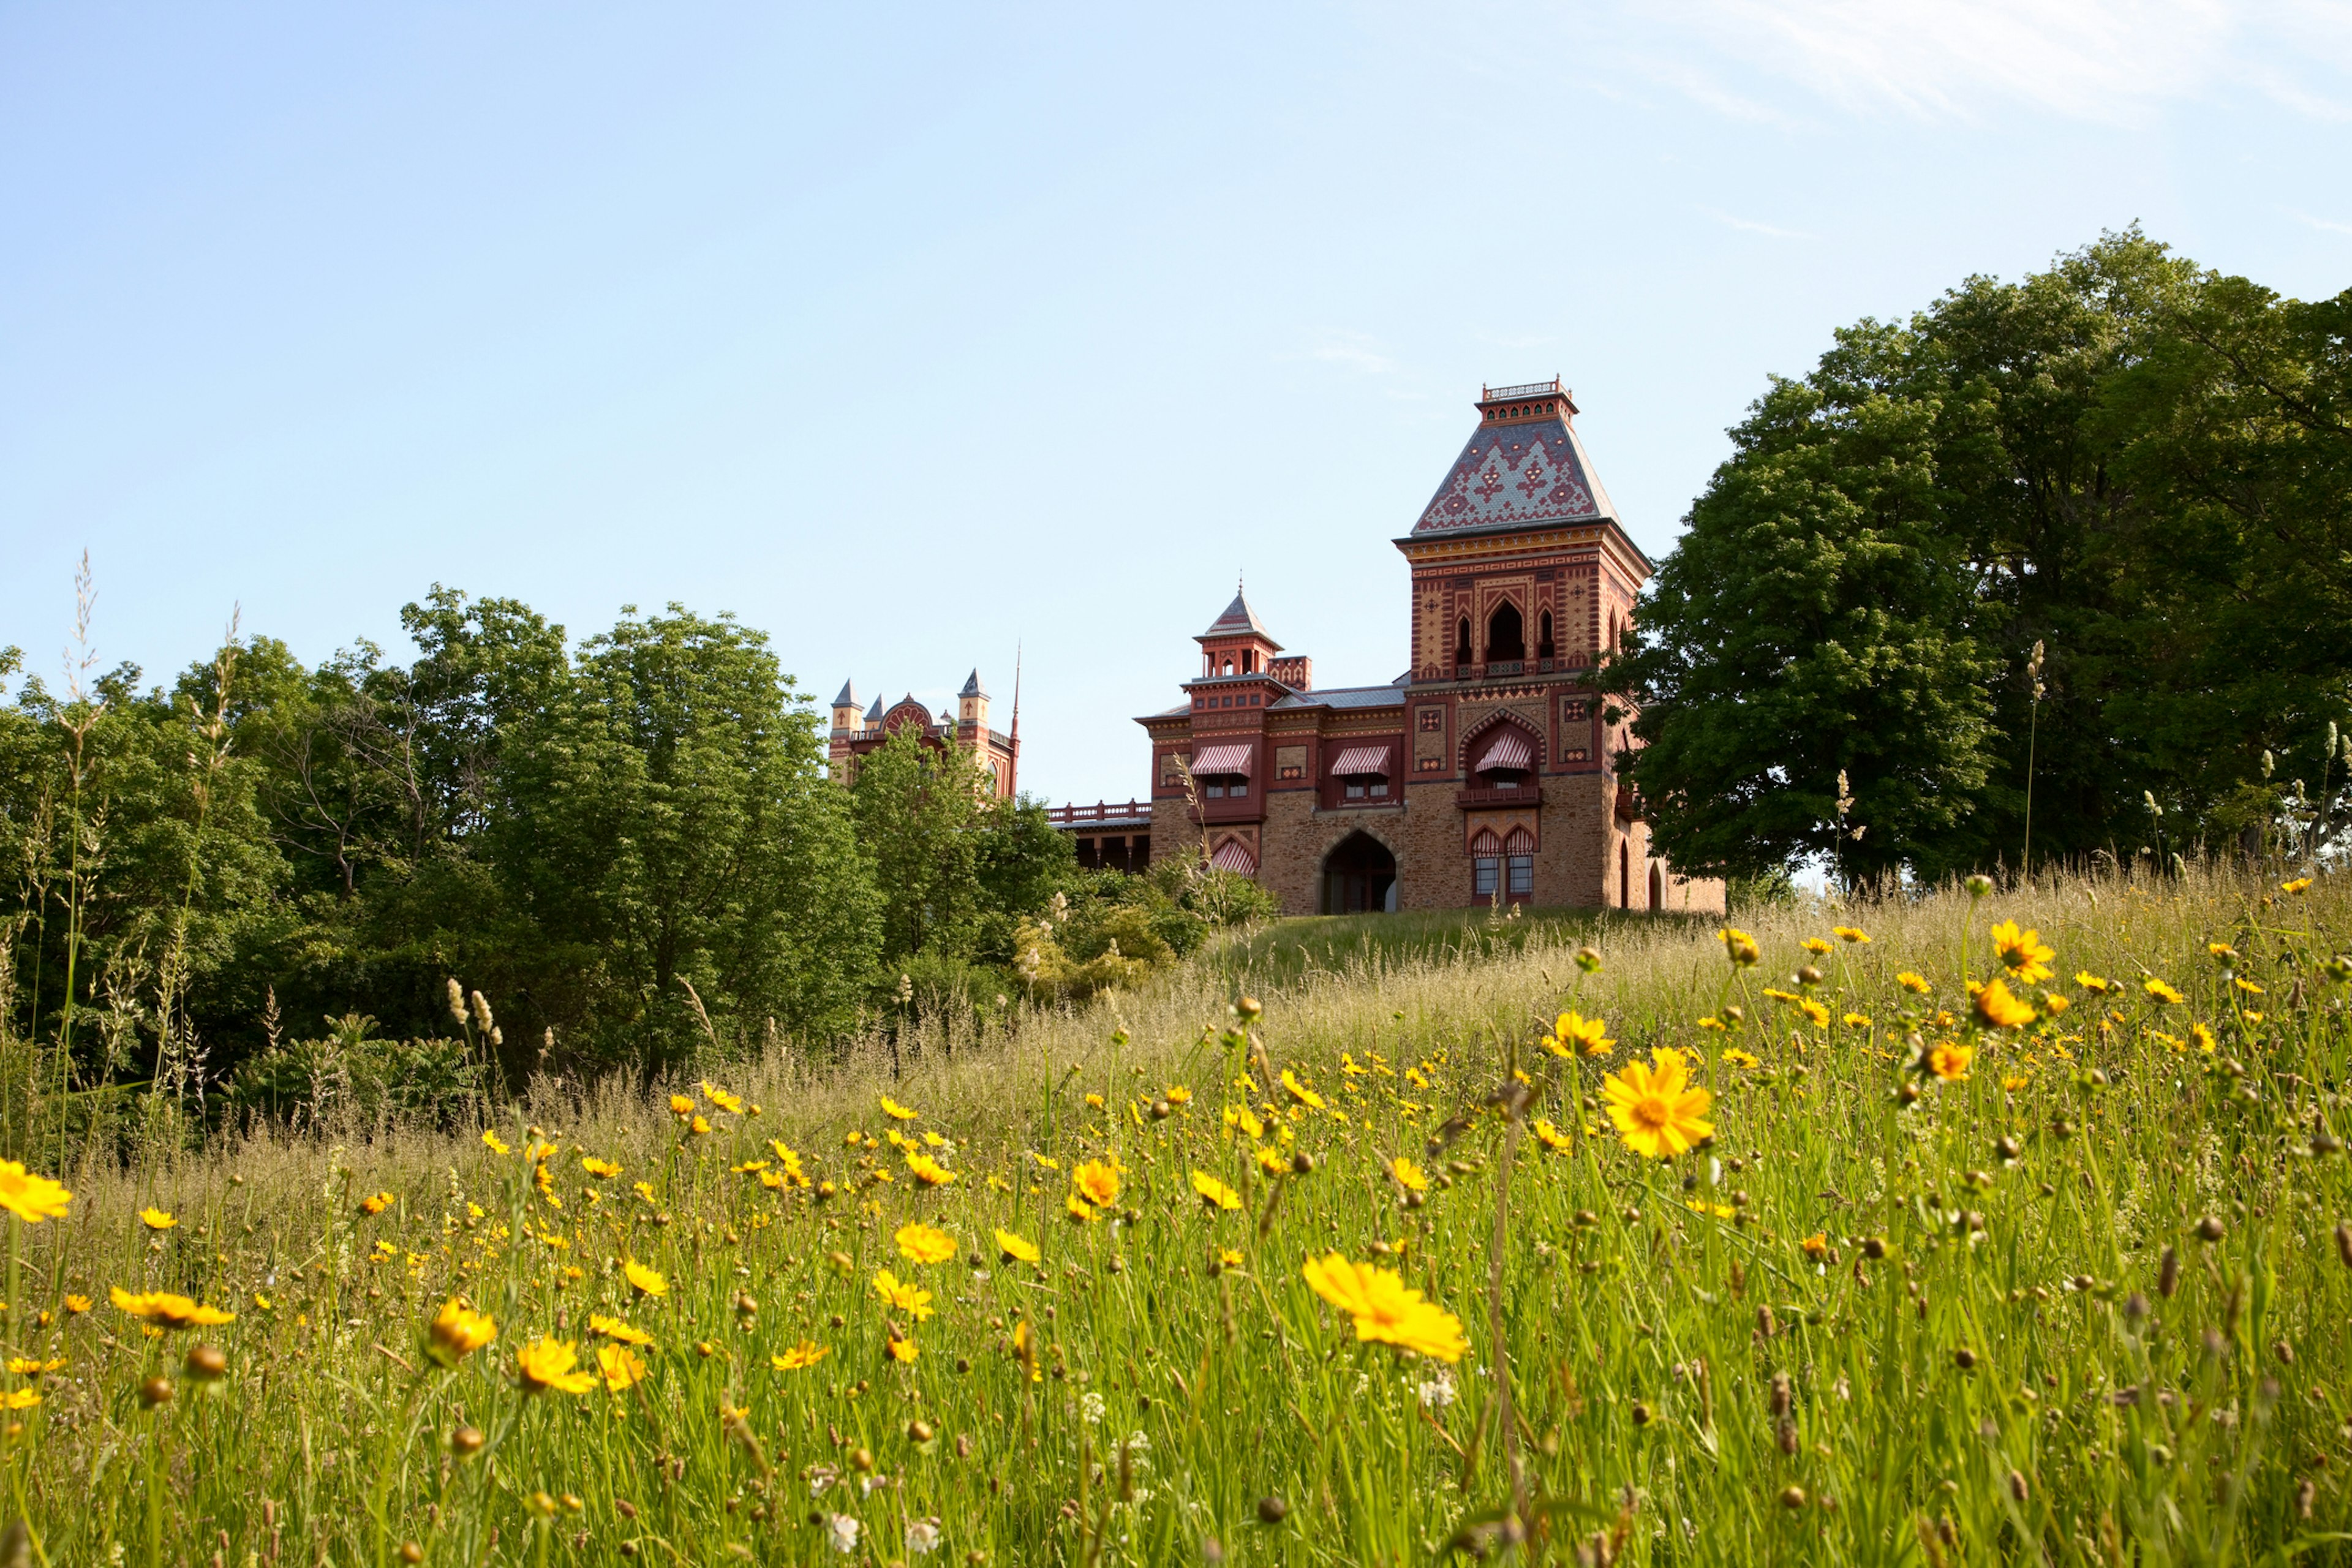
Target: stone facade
{"type": "Point", "coordinates": [1487, 770]}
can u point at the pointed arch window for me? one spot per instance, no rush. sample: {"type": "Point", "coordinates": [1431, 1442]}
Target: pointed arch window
{"type": "Point", "coordinates": [1463, 654]}
{"type": "Point", "coordinates": [1543, 635]}
{"type": "Point", "coordinates": [1506, 638]}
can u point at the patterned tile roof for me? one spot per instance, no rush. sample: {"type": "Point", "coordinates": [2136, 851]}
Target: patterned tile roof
{"type": "Point", "coordinates": [1516, 473]}
{"type": "Point", "coordinates": [1237, 619]}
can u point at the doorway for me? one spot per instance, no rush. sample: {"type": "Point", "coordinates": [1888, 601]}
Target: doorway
{"type": "Point", "coordinates": [1359, 877]}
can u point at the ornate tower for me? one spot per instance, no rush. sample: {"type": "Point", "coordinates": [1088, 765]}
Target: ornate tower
{"type": "Point", "coordinates": [844, 706]}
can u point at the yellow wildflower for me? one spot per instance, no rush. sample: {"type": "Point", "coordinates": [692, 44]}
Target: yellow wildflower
{"type": "Point", "coordinates": [156, 1220]}
{"type": "Point", "coordinates": [1213, 1193]}
{"type": "Point", "coordinates": [2000, 1010]}
{"type": "Point", "coordinates": [1656, 1110]}
{"type": "Point", "coordinates": [2022, 953]}
{"type": "Point", "coordinates": [1408, 1175]}
{"type": "Point", "coordinates": [1949, 1060]}
{"type": "Point", "coordinates": [1016, 1249]}
{"type": "Point", "coordinates": [457, 1332]}
{"type": "Point", "coordinates": [1386, 1311]}
{"type": "Point", "coordinates": [920, 1243]}
{"type": "Point", "coordinates": [903, 1296]}
{"type": "Point", "coordinates": [1915, 984]}
{"type": "Point", "coordinates": [721, 1098]}
{"type": "Point", "coordinates": [166, 1310]}
{"type": "Point", "coordinates": [806, 1353]}
{"type": "Point", "coordinates": [620, 1367]}
{"type": "Point", "coordinates": [546, 1366]}
{"type": "Point", "coordinates": [1739, 947]}
{"type": "Point", "coordinates": [1577, 1034]}
{"type": "Point", "coordinates": [928, 1171]}
{"type": "Point", "coordinates": [1301, 1092]}
{"type": "Point", "coordinates": [895, 1111]}
{"type": "Point", "coordinates": [31, 1198]}
{"type": "Point", "coordinates": [1848, 933]}
{"type": "Point", "coordinates": [2160, 991]}
{"type": "Point", "coordinates": [1096, 1181]}
{"type": "Point", "coordinates": [644, 1280]}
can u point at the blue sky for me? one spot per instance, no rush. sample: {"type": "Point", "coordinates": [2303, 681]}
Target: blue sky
{"type": "Point", "coordinates": [914, 336]}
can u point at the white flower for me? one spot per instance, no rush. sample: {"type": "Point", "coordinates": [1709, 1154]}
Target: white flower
{"type": "Point", "coordinates": [842, 1530]}
{"type": "Point", "coordinates": [923, 1535]}
{"type": "Point", "coordinates": [1437, 1392]}
{"type": "Point", "coordinates": [866, 1484]}
{"type": "Point", "coordinates": [821, 1477]}
{"type": "Point", "coordinates": [1091, 1408]}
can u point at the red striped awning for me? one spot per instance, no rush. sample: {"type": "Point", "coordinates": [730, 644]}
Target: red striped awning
{"type": "Point", "coordinates": [1485, 843]}
{"type": "Point", "coordinates": [1520, 842]}
{"type": "Point", "coordinates": [1222, 760]}
{"type": "Point", "coordinates": [1508, 751]}
{"type": "Point", "coordinates": [1357, 761]}
{"type": "Point", "coordinates": [1233, 855]}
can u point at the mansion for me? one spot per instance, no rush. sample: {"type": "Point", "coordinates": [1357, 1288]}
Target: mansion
{"type": "Point", "coordinates": [855, 733]}
{"type": "Point", "coordinates": [1484, 772]}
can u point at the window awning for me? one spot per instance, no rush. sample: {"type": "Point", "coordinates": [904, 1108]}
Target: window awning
{"type": "Point", "coordinates": [1222, 760]}
{"type": "Point", "coordinates": [1233, 855]}
{"type": "Point", "coordinates": [1509, 751]}
{"type": "Point", "coordinates": [1358, 760]}
{"type": "Point", "coordinates": [1520, 842]}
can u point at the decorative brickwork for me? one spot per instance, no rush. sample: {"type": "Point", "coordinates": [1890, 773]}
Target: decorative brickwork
{"type": "Point", "coordinates": [1497, 765]}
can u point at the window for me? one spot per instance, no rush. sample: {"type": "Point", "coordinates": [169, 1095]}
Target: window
{"type": "Point", "coordinates": [1543, 635]}
{"type": "Point", "coordinates": [1238, 789]}
{"type": "Point", "coordinates": [1355, 789]}
{"type": "Point", "coordinates": [1523, 875]}
{"type": "Point", "coordinates": [1380, 787]}
{"type": "Point", "coordinates": [1461, 654]}
{"type": "Point", "coordinates": [1485, 867]}
{"type": "Point", "coordinates": [1214, 792]}
{"type": "Point", "coordinates": [1504, 640]}
{"type": "Point", "coordinates": [1229, 666]}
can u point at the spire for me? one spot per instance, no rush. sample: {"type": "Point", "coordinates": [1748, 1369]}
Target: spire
{"type": "Point", "coordinates": [1016, 698]}
{"type": "Point", "coordinates": [873, 714]}
{"type": "Point", "coordinates": [1238, 620]}
{"type": "Point", "coordinates": [848, 697]}
{"type": "Point", "coordinates": [971, 685]}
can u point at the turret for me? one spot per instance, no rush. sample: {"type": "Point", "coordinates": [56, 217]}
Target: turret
{"type": "Point", "coordinates": [1236, 642]}
{"type": "Point", "coordinates": [845, 708]}
{"type": "Point", "coordinates": [972, 709]}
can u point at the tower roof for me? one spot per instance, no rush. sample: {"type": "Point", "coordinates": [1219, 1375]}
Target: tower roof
{"type": "Point", "coordinates": [972, 687]}
{"type": "Point", "coordinates": [1524, 464]}
{"type": "Point", "coordinates": [873, 714]}
{"type": "Point", "coordinates": [1238, 620]}
{"type": "Point", "coordinates": [848, 697]}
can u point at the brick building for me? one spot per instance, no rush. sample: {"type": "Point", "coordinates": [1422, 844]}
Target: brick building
{"type": "Point", "coordinates": [1485, 769]}
{"type": "Point", "coordinates": [855, 733]}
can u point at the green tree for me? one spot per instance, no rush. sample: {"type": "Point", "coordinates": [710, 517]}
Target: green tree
{"type": "Point", "coordinates": [666, 822]}
{"type": "Point", "coordinates": [1813, 625]}
{"type": "Point", "coordinates": [920, 808]}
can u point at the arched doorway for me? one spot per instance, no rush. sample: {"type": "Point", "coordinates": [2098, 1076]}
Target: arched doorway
{"type": "Point", "coordinates": [1359, 877]}
{"type": "Point", "coordinates": [1504, 637]}
{"type": "Point", "coordinates": [1657, 889]}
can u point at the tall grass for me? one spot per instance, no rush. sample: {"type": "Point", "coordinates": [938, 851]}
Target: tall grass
{"type": "Point", "coordinates": [2083, 1303]}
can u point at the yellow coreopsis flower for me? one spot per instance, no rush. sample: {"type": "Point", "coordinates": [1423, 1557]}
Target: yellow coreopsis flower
{"type": "Point", "coordinates": [1914, 983]}
{"type": "Point", "coordinates": [1408, 1175]}
{"type": "Point", "coordinates": [796, 1358]}
{"type": "Point", "coordinates": [1385, 1311]}
{"type": "Point", "coordinates": [602, 1169]}
{"type": "Point", "coordinates": [721, 1098]}
{"type": "Point", "coordinates": [1815, 1011]}
{"type": "Point", "coordinates": [31, 1198]}
{"type": "Point", "coordinates": [2296, 886]}
{"type": "Point", "coordinates": [1739, 947]}
{"type": "Point", "coordinates": [619, 1366]}
{"type": "Point", "coordinates": [903, 1296]}
{"type": "Point", "coordinates": [1271, 1161]}
{"type": "Point", "coordinates": [1016, 1249]}
{"type": "Point", "coordinates": [2090, 982]}
{"type": "Point", "coordinates": [895, 1111]}
{"type": "Point", "coordinates": [1096, 1181]}
{"type": "Point", "coordinates": [491, 1142]}
{"type": "Point", "coordinates": [2203, 1036]}
{"type": "Point", "coordinates": [1999, 1009]}
{"type": "Point", "coordinates": [1815, 946]}
{"type": "Point", "coordinates": [1816, 1244]}
{"type": "Point", "coordinates": [1242, 1118]}
{"type": "Point", "coordinates": [1739, 1058]}
{"type": "Point", "coordinates": [156, 1220]}
{"type": "Point", "coordinates": [920, 1243]}
{"type": "Point", "coordinates": [166, 1310]}
{"type": "Point", "coordinates": [457, 1332]}
{"type": "Point", "coordinates": [1548, 1135]}
{"type": "Point", "coordinates": [644, 1281]}
{"type": "Point", "coordinates": [1856, 1020]}
{"type": "Point", "coordinates": [1575, 1033]}
{"type": "Point", "coordinates": [903, 1350]}
{"type": "Point", "coordinates": [1656, 1110]}
{"type": "Point", "coordinates": [2161, 991]}
{"type": "Point", "coordinates": [548, 1366]}
{"type": "Point", "coordinates": [375, 1203]}
{"type": "Point", "coordinates": [2022, 953]}
{"type": "Point", "coordinates": [20, 1399]}
{"type": "Point", "coordinates": [928, 1171]}
{"type": "Point", "coordinates": [603, 1327]}
{"type": "Point", "coordinates": [1213, 1193]}
{"type": "Point", "coordinates": [1849, 934]}
{"type": "Point", "coordinates": [681, 1106]}
{"type": "Point", "coordinates": [1949, 1061]}
{"type": "Point", "coordinates": [1301, 1092]}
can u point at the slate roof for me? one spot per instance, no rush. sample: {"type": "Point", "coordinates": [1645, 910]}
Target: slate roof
{"type": "Point", "coordinates": [1238, 618]}
{"type": "Point", "coordinates": [972, 687]}
{"type": "Point", "coordinates": [1515, 473]}
{"type": "Point", "coordinates": [848, 697]}
{"type": "Point", "coordinates": [1341, 697]}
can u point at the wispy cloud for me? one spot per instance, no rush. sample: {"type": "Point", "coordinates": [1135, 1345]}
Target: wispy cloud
{"type": "Point", "coordinates": [2327, 225]}
{"type": "Point", "coordinates": [1357, 350]}
{"type": "Point", "coordinates": [2103, 60]}
{"type": "Point", "coordinates": [1749, 226]}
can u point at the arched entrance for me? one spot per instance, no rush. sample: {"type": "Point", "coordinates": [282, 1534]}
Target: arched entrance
{"type": "Point", "coordinates": [1359, 877]}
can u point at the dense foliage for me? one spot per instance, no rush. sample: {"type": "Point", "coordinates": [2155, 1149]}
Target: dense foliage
{"type": "Point", "coordinates": [2142, 467]}
{"type": "Point", "coordinates": [632, 844]}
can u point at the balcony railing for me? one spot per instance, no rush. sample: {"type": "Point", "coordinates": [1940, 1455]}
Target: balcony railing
{"type": "Point", "coordinates": [1525, 389]}
{"type": "Point", "coordinates": [1511, 794]}
{"type": "Point", "coordinates": [1101, 811]}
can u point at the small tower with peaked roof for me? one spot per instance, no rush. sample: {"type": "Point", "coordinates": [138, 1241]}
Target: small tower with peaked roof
{"type": "Point", "coordinates": [972, 710]}
{"type": "Point", "coordinates": [844, 706]}
{"type": "Point", "coordinates": [1237, 642]}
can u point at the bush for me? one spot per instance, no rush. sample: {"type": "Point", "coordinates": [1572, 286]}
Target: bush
{"type": "Point", "coordinates": [353, 1078]}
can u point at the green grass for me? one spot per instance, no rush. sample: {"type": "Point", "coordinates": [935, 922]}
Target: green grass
{"type": "Point", "coordinates": [1287, 951]}
{"type": "Point", "coordinates": [1988, 1359]}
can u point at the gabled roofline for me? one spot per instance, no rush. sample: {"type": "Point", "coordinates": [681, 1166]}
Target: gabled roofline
{"type": "Point", "coordinates": [1491, 529]}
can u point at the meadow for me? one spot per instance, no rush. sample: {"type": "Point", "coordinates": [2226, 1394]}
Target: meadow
{"type": "Point", "coordinates": [1995, 1225]}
